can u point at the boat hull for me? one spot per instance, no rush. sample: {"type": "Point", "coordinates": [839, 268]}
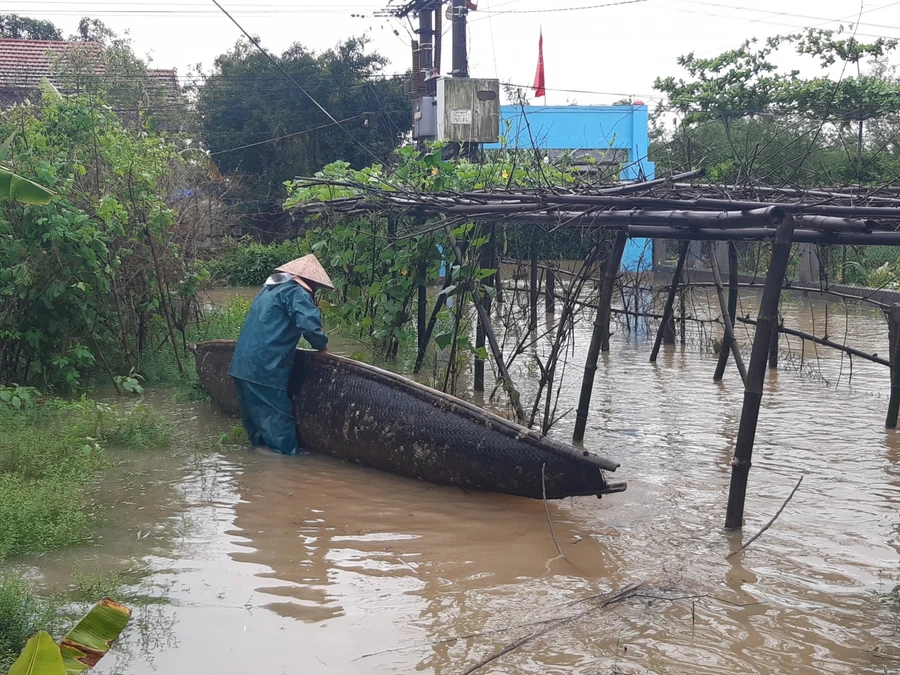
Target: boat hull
{"type": "Point", "coordinates": [363, 414]}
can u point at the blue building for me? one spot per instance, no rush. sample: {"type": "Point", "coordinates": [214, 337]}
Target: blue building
{"type": "Point", "coordinates": [614, 136]}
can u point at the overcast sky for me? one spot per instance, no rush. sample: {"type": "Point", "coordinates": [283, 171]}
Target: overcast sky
{"type": "Point", "coordinates": [616, 50]}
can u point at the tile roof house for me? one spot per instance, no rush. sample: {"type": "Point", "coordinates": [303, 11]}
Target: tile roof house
{"type": "Point", "coordinates": [165, 81]}
{"type": "Point", "coordinates": [24, 63]}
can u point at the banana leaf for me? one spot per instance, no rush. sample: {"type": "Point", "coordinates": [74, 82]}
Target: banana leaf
{"type": "Point", "coordinates": [92, 638]}
{"type": "Point", "coordinates": [40, 657]}
{"type": "Point", "coordinates": [7, 144]}
{"type": "Point", "coordinates": [14, 186]}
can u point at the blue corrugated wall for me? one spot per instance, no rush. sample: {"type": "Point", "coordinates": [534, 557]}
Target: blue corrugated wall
{"type": "Point", "coordinates": [588, 127]}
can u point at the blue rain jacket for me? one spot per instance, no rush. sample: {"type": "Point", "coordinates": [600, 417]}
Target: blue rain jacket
{"type": "Point", "coordinates": [279, 317]}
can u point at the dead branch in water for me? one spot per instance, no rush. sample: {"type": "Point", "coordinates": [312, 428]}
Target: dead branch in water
{"type": "Point", "coordinates": [769, 524]}
{"type": "Point", "coordinates": [621, 596]}
{"type": "Point", "coordinates": [547, 509]}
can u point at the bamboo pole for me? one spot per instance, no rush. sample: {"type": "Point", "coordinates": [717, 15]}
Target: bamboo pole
{"type": "Point", "coordinates": [825, 342]}
{"type": "Point", "coordinates": [550, 291]}
{"type": "Point", "coordinates": [511, 391]}
{"type": "Point", "coordinates": [487, 260]}
{"type": "Point", "coordinates": [773, 349]}
{"type": "Point", "coordinates": [600, 334]}
{"type": "Point", "coordinates": [484, 316]}
{"type": "Point", "coordinates": [733, 279]}
{"type": "Point", "coordinates": [534, 289]}
{"type": "Point", "coordinates": [767, 322]}
{"type": "Point", "coordinates": [422, 313]}
{"type": "Point", "coordinates": [683, 248]}
{"type": "Point", "coordinates": [683, 306]}
{"type": "Point", "coordinates": [609, 283]}
{"type": "Point", "coordinates": [893, 317]}
{"type": "Point", "coordinates": [498, 280]}
{"type": "Point", "coordinates": [729, 343]}
{"type": "Point", "coordinates": [432, 322]}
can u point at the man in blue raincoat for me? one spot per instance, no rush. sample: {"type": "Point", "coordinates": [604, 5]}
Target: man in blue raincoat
{"type": "Point", "coordinates": [282, 313]}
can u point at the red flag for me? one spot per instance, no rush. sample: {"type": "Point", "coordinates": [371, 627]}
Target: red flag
{"type": "Point", "coordinates": [539, 76]}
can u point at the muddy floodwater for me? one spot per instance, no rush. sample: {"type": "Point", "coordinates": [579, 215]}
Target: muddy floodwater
{"type": "Point", "coordinates": [308, 565]}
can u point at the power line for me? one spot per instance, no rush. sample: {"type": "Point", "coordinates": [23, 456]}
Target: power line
{"type": "Point", "coordinates": [281, 138]}
{"type": "Point", "coordinates": [808, 26]}
{"type": "Point", "coordinates": [789, 14]}
{"type": "Point", "coordinates": [489, 13]}
{"type": "Point", "coordinates": [297, 84]}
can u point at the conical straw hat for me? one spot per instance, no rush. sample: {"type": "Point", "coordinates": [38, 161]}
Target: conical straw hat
{"type": "Point", "coordinates": [309, 268]}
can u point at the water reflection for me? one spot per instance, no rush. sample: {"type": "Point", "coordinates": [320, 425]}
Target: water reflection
{"type": "Point", "coordinates": [351, 541]}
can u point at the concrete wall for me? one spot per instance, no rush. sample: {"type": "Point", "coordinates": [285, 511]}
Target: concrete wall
{"type": "Point", "coordinates": [588, 127]}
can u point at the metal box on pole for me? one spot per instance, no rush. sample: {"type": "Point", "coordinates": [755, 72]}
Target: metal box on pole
{"type": "Point", "coordinates": [468, 110]}
{"type": "Point", "coordinates": [425, 120]}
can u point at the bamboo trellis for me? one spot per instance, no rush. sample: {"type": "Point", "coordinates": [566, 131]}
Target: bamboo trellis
{"type": "Point", "coordinates": [665, 209]}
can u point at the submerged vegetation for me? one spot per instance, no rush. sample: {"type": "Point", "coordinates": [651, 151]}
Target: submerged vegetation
{"type": "Point", "coordinates": [52, 459]}
{"type": "Point", "coordinates": [51, 456]}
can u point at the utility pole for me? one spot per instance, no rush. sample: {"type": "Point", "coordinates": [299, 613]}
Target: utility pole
{"type": "Point", "coordinates": [425, 108]}
{"type": "Point", "coordinates": [460, 10]}
{"type": "Point", "coordinates": [426, 46]}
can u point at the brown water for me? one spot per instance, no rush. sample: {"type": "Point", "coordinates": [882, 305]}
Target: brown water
{"type": "Point", "coordinates": [307, 565]}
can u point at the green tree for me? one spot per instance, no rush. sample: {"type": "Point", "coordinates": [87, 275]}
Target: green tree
{"type": "Point", "coordinates": [247, 101]}
{"type": "Point", "coordinates": [93, 30]}
{"type": "Point", "coordinates": [746, 121]}
{"type": "Point", "coordinates": [857, 97]}
{"type": "Point", "coordinates": [91, 278]}
{"type": "Point", "coordinates": [24, 28]}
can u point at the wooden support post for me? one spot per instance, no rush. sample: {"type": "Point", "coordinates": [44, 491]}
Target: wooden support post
{"type": "Point", "coordinates": [668, 314]}
{"type": "Point", "coordinates": [729, 343]}
{"type": "Point", "coordinates": [550, 290]}
{"type": "Point", "coordinates": [613, 265]}
{"type": "Point", "coordinates": [893, 317]}
{"type": "Point", "coordinates": [534, 286]}
{"type": "Point", "coordinates": [773, 349]}
{"type": "Point", "coordinates": [669, 331]}
{"type": "Point", "coordinates": [683, 305]}
{"type": "Point", "coordinates": [767, 322]}
{"type": "Point", "coordinates": [495, 264]}
{"type": "Point", "coordinates": [601, 333]}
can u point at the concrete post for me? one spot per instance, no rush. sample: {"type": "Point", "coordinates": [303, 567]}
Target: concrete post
{"type": "Point", "coordinates": [809, 264]}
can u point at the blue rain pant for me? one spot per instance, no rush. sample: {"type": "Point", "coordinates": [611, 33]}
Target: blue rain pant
{"type": "Point", "coordinates": [268, 417]}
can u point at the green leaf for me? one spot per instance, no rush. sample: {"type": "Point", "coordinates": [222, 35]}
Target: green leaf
{"type": "Point", "coordinates": [443, 340]}
{"type": "Point", "coordinates": [41, 656]}
{"type": "Point", "coordinates": [484, 273]}
{"type": "Point", "coordinates": [92, 638]}
{"type": "Point", "coordinates": [13, 186]}
{"type": "Point", "coordinates": [7, 144]}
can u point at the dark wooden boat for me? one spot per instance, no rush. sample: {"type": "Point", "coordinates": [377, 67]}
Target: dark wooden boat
{"type": "Point", "coordinates": [367, 415]}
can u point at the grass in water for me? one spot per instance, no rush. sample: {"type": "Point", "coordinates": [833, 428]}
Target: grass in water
{"type": "Point", "coordinates": [22, 614]}
{"type": "Point", "coordinates": [49, 457]}
{"type": "Point", "coordinates": [220, 323]}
